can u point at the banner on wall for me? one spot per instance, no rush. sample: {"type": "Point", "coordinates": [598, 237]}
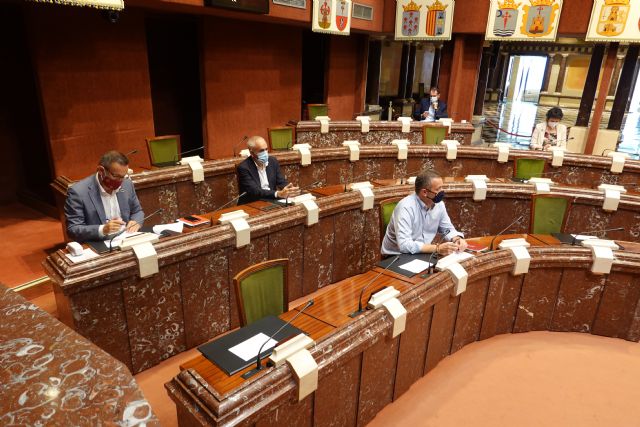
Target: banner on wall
{"type": "Point", "coordinates": [331, 16]}
{"type": "Point", "coordinates": [424, 19]}
{"type": "Point", "coordinates": [528, 20]}
{"type": "Point", "coordinates": [100, 4]}
{"type": "Point", "coordinates": [615, 21]}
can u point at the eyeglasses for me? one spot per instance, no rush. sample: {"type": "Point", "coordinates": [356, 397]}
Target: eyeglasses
{"type": "Point", "coordinates": [115, 176]}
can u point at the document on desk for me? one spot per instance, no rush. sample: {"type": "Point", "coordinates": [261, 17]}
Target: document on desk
{"type": "Point", "coordinates": [118, 240]}
{"type": "Point", "coordinates": [248, 349]}
{"type": "Point", "coordinates": [416, 266]}
{"type": "Point", "coordinates": [174, 226]}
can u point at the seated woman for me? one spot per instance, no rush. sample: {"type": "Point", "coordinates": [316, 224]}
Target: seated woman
{"type": "Point", "coordinates": [550, 133]}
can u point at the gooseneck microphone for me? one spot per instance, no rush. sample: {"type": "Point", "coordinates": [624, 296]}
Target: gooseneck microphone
{"type": "Point", "coordinates": [539, 175]}
{"type": "Point", "coordinates": [440, 239]}
{"type": "Point", "coordinates": [244, 138]}
{"type": "Point", "coordinates": [231, 201]}
{"type": "Point", "coordinates": [131, 226]}
{"type": "Point", "coordinates": [128, 153]}
{"type": "Point", "coordinates": [491, 248]}
{"type": "Point", "coordinates": [364, 175]}
{"type": "Point", "coordinates": [599, 230]}
{"type": "Point", "coordinates": [306, 187]}
{"type": "Point", "coordinates": [360, 309]}
{"type": "Point", "coordinates": [259, 366]}
{"type": "Point", "coordinates": [409, 174]}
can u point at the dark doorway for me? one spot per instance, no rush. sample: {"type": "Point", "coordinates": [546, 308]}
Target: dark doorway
{"type": "Point", "coordinates": [26, 174]}
{"type": "Point", "coordinates": [315, 50]}
{"type": "Point", "coordinates": [174, 70]}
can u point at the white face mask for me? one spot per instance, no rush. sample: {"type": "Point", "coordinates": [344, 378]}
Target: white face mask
{"type": "Point", "coordinates": [552, 125]}
{"type": "Point", "coordinates": [434, 99]}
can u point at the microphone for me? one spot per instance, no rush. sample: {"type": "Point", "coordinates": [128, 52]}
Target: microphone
{"type": "Point", "coordinates": [364, 175]}
{"type": "Point", "coordinates": [360, 309]}
{"type": "Point", "coordinates": [505, 229]}
{"type": "Point", "coordinates": [306, 187]}
{"type": "Point", "coordinates": [244, 138]}
{"type": "Point", "coordinates": [128, 153]}
{"type": "Point", "coordinates": [133, 225]}
{"type": "Point", "coordinates": [415, 172]}
{"type": "Point", "coordinates": [538, 175]}
{"type": "Point", "coordinates": [601, 230]}
{"type": "Point", "coordinates": [231, 201]}
{"type": "Point", "coordinates": [259, 366]}
{"type": "Point", "coordinates": [440, 239]}
{"type": "Point", "coordinates": [179, 155]}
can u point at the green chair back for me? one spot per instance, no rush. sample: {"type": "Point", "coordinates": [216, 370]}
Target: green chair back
{"type": "Point", "coordinates": [164, 150]}
{"type": "Point", "coordinates": [281, 138]}
{"type": "Point", "coordinates": [262, 293]}
{"type": "Point", "coordinates": [528, 168]}
{"type": "Point", "coordinates": [316, 110]}
{"type": "Point", "coordinates": [548, 214]}
{"type": "Point", "coordinates": [386, 210]}
{"type": "Point", "coordinates": [434, 135]}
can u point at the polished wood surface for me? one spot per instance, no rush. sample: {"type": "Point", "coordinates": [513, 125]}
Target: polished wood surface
{"type": "Point", "coordinates": [532, 239]}
{"type": "Point", "coordinates": [224, 383]}
{"type": "Point", "coordinates": [215, 215]}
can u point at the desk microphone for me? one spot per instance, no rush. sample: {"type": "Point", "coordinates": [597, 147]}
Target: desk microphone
{"type": "Point", "coordinates": [600, 230]}
{"type": "Point", "coordinates": [178, 156]}
{"type": "Point", "coordinates": [231, 201]}
{"type": "Point", "coordinates": [131, 226]}
{"type": "Point", "coordinates": [360, 309]}
{"type": "Point", "coordinates": [306, 187]}
{"type": "Point", "coordinates": [259, 366]}
{"type": "Point", "coordinates": [415, 172]}
{"type": "Point", "coordinates": [539, 175]}
{"type": "Point", "coordinates": [440, 239]}
{"type": "Point", "coordinates": [505, 229]}
{"type": "Point", "coordinates": [364, 175]}
{"type": "Point", "coordinates": [244, 138]}
{"type": "Point", "coordinates": [128, 153]}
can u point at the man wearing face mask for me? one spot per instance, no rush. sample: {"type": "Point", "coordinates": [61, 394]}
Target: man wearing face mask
{"type": "Point", "coordinates": [105, 203]}
{"type": "Point", "coordinates": [432, 109]}
{"type": "Point", "coordinates": [418, 218]}
{"type": "Point", "coordinates": [260, 177]}
{"type": "Point", "coordinates": [550, 133]}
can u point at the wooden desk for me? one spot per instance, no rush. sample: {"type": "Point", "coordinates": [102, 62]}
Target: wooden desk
{"type": "Point", "coordinates": [224, 383]}
{"type": "Point", "coordinates": [532, 239]}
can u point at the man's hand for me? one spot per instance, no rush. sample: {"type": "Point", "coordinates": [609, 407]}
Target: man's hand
{"type": "Point", "coordinates": [461, 244]}
{"type": "Point", "coordinates": [288, 191]}
{"type": "Point", "coordinates": [425, 114]}
{"type": "Point", "coordinates": [546, 147]}
{"type": "Point", "coordinates": [447, 248]}
{"type": "Point", "coordinates": [113, 226]}
{"type": "Point", "coordinates": [132, 226]}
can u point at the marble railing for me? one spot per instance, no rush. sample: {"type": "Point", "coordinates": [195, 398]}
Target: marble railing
{"type": "Point", "coordinates": [361, 368]}
{"type": "Point", "coordinates": [52, 376]}
{"type": "Point", "coordinates": [144, 321]}
{"type": "Point", "coordinates": [172, 189]}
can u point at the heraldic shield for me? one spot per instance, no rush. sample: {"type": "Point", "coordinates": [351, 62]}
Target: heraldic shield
{"type": "Point", "coordinates": [613, 17]}
{"type": "Point", "coordinates": [324, 17]}
{"type": "Point", "coordinates": [436, 19]}
{"type": "Point", "coordinates": [506, 18]}
{"type": "Point", "coordinates": [342, 15]}
{"type": "Point", "coordinates": [539, 18]}
{"type": "Point", "coordinates": [410, 19]}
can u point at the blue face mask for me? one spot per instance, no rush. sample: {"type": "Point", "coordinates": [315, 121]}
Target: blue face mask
{"type": "Point", "coordinates": [439, 197]}
{"type": "Point", "coordinates": [263, 156]}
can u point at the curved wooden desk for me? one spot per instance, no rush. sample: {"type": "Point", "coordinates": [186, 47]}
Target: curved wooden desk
{"type": "Point", "coordinates": [362, 369]}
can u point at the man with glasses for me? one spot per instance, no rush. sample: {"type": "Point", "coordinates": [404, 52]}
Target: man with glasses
{"type": "Point", "coordinates": [105, 203]}
{"type": "Point", "coordinates": [418, 218]}
{"type": "Point", "coordinates": [260, 177]}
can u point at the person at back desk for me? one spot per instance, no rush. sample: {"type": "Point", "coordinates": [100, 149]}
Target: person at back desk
{"type": "Point", "coordinates": [432, 108]}
{"type": "Point", "coordinates": [418, 217]}
{"type": "Point", "coordinates": [260, 177]}
{"type": "Point", "coordinates": [105, 203]}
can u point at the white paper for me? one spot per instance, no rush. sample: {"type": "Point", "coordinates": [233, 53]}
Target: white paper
{"type": "Point", "coordinates": [582, 237]}
{"type": "Point", "coordinates": [118, 240]}
{"type": "Point", "coordinates": [248, 349]}
{"type": "Point", "coordinates": [175, 226]}
{"type": "Point", "coordinates": [416, 266]}
{"type": "Point", "coordinates": [461, 256]}
{"type": "Point", "coordinates": [87, 254]}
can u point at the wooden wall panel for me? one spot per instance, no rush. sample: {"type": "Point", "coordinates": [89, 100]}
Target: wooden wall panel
{"type": "Point", "coordinates": [346, 76]}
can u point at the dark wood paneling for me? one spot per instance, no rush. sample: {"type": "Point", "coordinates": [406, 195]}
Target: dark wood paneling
{"type": "Point", "coordinates": [336, 399]}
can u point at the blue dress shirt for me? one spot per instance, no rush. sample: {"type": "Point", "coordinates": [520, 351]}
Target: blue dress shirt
{"type": "Point", "coordinates": [412, 225]}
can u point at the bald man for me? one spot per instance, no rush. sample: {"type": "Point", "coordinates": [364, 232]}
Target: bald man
{"type": "Point", "coordinates": [260, 177]}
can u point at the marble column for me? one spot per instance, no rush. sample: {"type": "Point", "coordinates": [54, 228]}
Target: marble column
{"type": "Point", "coordinates": [562, 72]}
{"type": "Point", "coordinates": [547, 72]}
{"type": "Point", "coordinates": [404, 67]}
{"type": "Point", "coordinates": [623, 91]}
{"type": "Point", "coordinates": [411, 70]}
{"type": "Point", "coordinates": [590, 86]}
{"type": "Point", "coordinates": [373, 71]}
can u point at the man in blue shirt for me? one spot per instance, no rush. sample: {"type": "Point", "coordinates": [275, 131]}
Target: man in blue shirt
{"type": "Point", "coordinates": [418, 218]}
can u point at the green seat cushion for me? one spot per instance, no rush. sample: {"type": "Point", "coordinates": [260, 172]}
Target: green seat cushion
{"type": "Point", "coordinates": [387, 211]}
{"type": "Point", "coordinates": [164, 151]}
{"type": "Point", "coordinates": [262, 293]}
{"type": "Point", "coordinates": [548, 215]}
{"type": "Point", "coordinates": [528, 168]}
{"type": "Point", "coordinates": [317, 110]}
{"type": "Point", "coordinates": [281, 139]}
{"type": "Point", "coordinates": [434, 135]}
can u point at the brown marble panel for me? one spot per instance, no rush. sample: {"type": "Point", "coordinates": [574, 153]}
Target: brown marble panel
{"type": "Point", "coordinates": [537, 300]}
{"type": "Point", "coordinates": [288, 243]}
{"type": "Point", "coordinates": [299, 414]}
{"type": "Point", "coordinates": [634, 329]}
{"type": "Point", "coordinates": [489, 216]}
{"type": "Point", "coordinates": [337, 172]}
{"type": "Point", "coordinates": [336, 399]}
{"type": "Point", "coordinates": [165, 197]}
{"type": "Point", "coordinates": [509, 303]}
{"type": "Point", "coordinates": [493, 306]}
{"type": "Point", "coordinates": [469, 318]}
{"type": "Point", "coordinates": [441, 331]}
{"type": "Point", "coordinates": [347, 249]}
{"type": "Point", "coordinates": [100, 316]}
{"type": "Point", "coordinates": [578, 299]}
{"type": "Point", "coordinates": [318, 255]}
{"type": "Point", "coordinates": [376, 378]}
{"type": "Point", "coordinates": [412, 351]}
{"type": "Point", "coordinates": [371, 240]}
{"type": "Point", "coordinates": [154, 315]}
{"type": "Point", "coordinates": [416, 164]}
{"type": "Point", "coordinates": [618, 305]}
{"type": "Point", "coordinates": [206, 296]}
{"type": "Point", "coordinates": [239, 259]}
{"type": "Point", "coordinates": [583, 217]}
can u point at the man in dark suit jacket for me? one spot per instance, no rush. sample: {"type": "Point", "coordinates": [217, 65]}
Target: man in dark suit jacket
{"type": "Point", "coordinates": [259, 175]}
{"type": "Point", "coordinates": [432, 109]}
{"type": "Point", "coordinates": [103, 204]}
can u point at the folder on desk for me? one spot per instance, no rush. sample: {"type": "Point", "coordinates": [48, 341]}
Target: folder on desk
{"type": "Point", "coordinates": [219, 352]}
{"type": "Point", "coordinates": [405, 259]}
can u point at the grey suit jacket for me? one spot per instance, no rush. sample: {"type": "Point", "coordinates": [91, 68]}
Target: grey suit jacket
{"type": "Point", "coordinates": [85, 212]}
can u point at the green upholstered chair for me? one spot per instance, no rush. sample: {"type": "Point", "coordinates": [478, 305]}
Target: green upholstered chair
{"type": "Point", "coordinates": [281, 138]}
{"type": "Point", "coordinates": [315, 110]}
{"type": "Point", "coordinates": [433, 134]}
{"type": "Point", "coordinates": [386, 210]}
{"type": "Point", "coordinates": [548, 213]}
{"type": "Point", "coordinates": [164, 150]}
{"type": "Point", "coordinates": [261, 290]}
{"type": "Point", "coordinates": [524, 168]}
